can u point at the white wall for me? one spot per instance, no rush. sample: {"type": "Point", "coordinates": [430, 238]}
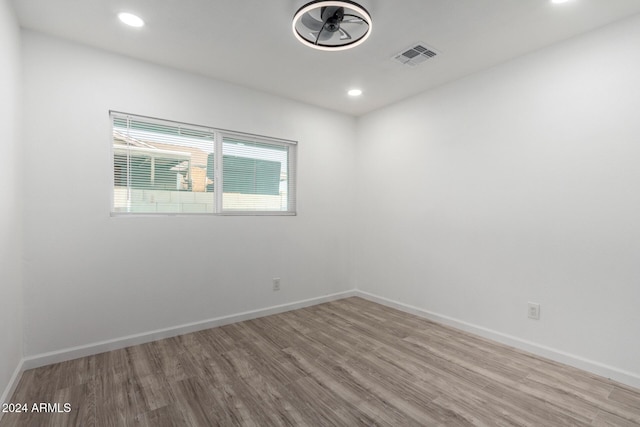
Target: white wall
{"type": "Point", "coordinates": [90, 277]}
{"type": "Point", "coordinates": [10, 208]}
{"type": "Point", "coordinates": [520, 183]}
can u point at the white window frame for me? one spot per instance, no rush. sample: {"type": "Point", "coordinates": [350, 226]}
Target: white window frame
{"type": "Point", "coordinates": [219, 135]}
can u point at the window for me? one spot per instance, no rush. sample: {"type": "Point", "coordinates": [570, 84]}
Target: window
{"type": "Point", "coordinates": [167, 167]}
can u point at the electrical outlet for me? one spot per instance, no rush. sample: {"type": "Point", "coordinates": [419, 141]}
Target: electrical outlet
{"type": "Point", "coordinates": [276, 283]}
{"type": "Point", "coordinates": [534, 311]}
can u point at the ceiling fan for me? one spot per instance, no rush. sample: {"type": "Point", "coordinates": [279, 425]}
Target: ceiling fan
{"type": "Point", "coordinates": [332, 25]}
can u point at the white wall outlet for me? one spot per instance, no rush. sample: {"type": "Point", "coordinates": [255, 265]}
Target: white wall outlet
{"type": "Point", "coordinates": [276, 283]}
{"type": "Point", "coordinates": [534, 311]}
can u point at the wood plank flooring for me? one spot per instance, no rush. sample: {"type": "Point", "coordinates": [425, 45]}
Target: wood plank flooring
{"type": "Point", "coordinates": [345, 363]}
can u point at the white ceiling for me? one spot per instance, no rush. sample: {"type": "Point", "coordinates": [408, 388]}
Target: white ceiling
{"type": "Point", "coordinates": [249, 42]}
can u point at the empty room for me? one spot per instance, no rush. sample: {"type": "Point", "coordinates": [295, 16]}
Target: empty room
{"type": "Point", "coordinates": [320, 213]}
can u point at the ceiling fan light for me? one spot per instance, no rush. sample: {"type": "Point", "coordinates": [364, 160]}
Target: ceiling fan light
{"type": "Point", "coordinates": [328, 33]}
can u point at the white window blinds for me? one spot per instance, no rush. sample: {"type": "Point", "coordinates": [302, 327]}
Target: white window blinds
{"type": "Point", "coordinates": [258, 176]}
{"type": "Point", "coordinates": [165, 167]}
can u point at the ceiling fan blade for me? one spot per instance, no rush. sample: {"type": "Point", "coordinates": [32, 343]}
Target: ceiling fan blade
{"type": "Point", "coordinates": [353, 19]}
{"type": "Point", "coordinates": [344, 35]}
{"type": "Point", "coordinates": [325, 35]}
{"type": "Point", "coordinates": [331, 11]}
{"type": "Point", "coordinates": [311, 23]}
{"type": "Point", "coordinates": [321, 36]}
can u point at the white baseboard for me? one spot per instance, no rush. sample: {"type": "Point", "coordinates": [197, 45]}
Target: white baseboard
{"type": "Point", "coordinates": [118, 343]}
{"type": "Point", "coordinates": [13, 383]}
{"type": "Point", "coordinates": [629, 378]}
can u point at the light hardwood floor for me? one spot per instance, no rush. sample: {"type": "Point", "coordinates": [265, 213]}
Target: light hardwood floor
{"type": "Point", "coordinates": [345, 363]}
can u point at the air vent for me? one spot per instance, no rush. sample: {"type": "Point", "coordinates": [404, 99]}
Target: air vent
{"type": "Point", "coordinates": [415, 55]}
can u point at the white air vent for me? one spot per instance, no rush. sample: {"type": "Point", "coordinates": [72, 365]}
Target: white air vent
{"type": "Point", "coordinates": [415, 54]}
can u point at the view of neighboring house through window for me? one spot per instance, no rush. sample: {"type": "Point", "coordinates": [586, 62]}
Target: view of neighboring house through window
{"type": "Point", "coordinates": [166, 167]}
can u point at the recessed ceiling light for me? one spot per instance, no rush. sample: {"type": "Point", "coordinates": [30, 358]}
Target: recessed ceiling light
{"type": "Point", "coordinates": [131, 19]}
{"type": "Point", "coordinates": [559, 1]}
{"type": "Point", "coordinates": [354, 92]}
